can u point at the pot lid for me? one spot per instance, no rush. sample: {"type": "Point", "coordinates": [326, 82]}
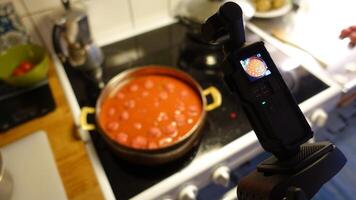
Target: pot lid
{"type": "Point", "coordinates": [198, 11]}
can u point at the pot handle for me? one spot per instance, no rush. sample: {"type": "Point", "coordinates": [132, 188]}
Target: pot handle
{"type": "Point", "coordinates": [84, 125]}
{"type": "Point", "coordinates": [216, 96]}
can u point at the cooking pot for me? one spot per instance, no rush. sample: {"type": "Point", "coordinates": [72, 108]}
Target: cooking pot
{"type": "Point", "coordinates": [162, 154]}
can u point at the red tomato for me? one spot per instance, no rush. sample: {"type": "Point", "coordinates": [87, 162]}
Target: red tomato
{"type": "Point", "coordinates": [24, 67]}
{"type": "Point", "coordinates": [18, 72]}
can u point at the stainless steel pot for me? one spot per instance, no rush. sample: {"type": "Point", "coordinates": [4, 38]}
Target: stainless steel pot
{"type": "Point", "coordinates": [5, 182]}
{"type": "Point", "coordinates": [164, 154]}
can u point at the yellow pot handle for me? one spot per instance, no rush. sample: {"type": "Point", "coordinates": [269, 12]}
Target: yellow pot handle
{"type": "Point", "coordinates": [84, 125]}
{"type": "Point", "coordinates": [216, 96]}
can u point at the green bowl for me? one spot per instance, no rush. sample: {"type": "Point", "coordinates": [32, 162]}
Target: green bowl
{"type": "Point", "coordinates": [12, 57]}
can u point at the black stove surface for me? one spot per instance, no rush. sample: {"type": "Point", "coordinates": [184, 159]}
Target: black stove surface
{"type": "Point", "coordinates": [19, 105]}
{"type": "Point", "coordinates": [164, 46]}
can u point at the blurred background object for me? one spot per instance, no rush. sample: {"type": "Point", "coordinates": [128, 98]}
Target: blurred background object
{"type": "Point", "coordinates": [73, 43]}
{"type": "Point", "coordinates": [12, 31]}
{"type": "Point", "coordinates": [304, 29]}
{"type": "Point", "coordinates": [24, 90]}
{"type": "Point", "coordinates": [6, 185]}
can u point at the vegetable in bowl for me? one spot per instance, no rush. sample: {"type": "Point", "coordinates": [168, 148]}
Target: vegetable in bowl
{"type": "Point", "coordinates": [268, 5]}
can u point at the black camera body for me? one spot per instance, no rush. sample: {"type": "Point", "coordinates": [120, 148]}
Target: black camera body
{"type": "Point", "coordinates": [297, 170]}
{"type": "Point", "coordinates": [252, 76]}
{"type": "Point", "coordinates": [270, 107]}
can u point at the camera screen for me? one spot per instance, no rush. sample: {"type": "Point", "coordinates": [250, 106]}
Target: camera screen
{"type": "Point", "coordinates": [255, 67]}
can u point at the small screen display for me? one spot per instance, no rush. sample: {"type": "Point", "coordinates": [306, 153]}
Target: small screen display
{"type": "Point", "coordinates": [255, 67]}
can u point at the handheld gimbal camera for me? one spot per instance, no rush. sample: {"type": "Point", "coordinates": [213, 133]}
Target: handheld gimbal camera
{"type": "Point", "coordinates": [297, 169]}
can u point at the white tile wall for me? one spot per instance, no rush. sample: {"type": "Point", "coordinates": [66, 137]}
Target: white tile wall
{"type": "Point", "coordinates": [19, 6]}
{"type": "Point", "coordinates": [44, 23]}
{"type": "Point", "coordinates": [172, 6]}
{"type": "Point", "coordinates": [148, 12]}
{"type": "Point", "coordinates": [110, 20]}
{"type": "Point", "coordinates": [31, 29]}
{"type": "Point", "coordinates": [40, 5]}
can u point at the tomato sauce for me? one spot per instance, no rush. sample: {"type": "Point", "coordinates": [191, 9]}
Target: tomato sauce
{"type": "Point", "coordinates": [150, 112]}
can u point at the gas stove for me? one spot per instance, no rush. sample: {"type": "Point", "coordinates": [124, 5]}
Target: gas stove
{"type": "Point", "coordinates": [228, 140]}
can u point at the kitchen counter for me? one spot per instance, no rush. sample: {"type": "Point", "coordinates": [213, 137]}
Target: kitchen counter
{"type": "Point", "coordinates": [71, 158]}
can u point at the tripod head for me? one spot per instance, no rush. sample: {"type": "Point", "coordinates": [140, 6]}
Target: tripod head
{"type": "Point", "coordinates": [296, 170]}
{"type": "Point", "coordinates": [297, 178]}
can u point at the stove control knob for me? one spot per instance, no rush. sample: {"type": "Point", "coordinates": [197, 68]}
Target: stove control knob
{"type": "Point", "coordinates": [319, 117]}
{"type": "Point", "coordinates": [221, 176]}
{"type": "Point", "coordinates": [188, 193]}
